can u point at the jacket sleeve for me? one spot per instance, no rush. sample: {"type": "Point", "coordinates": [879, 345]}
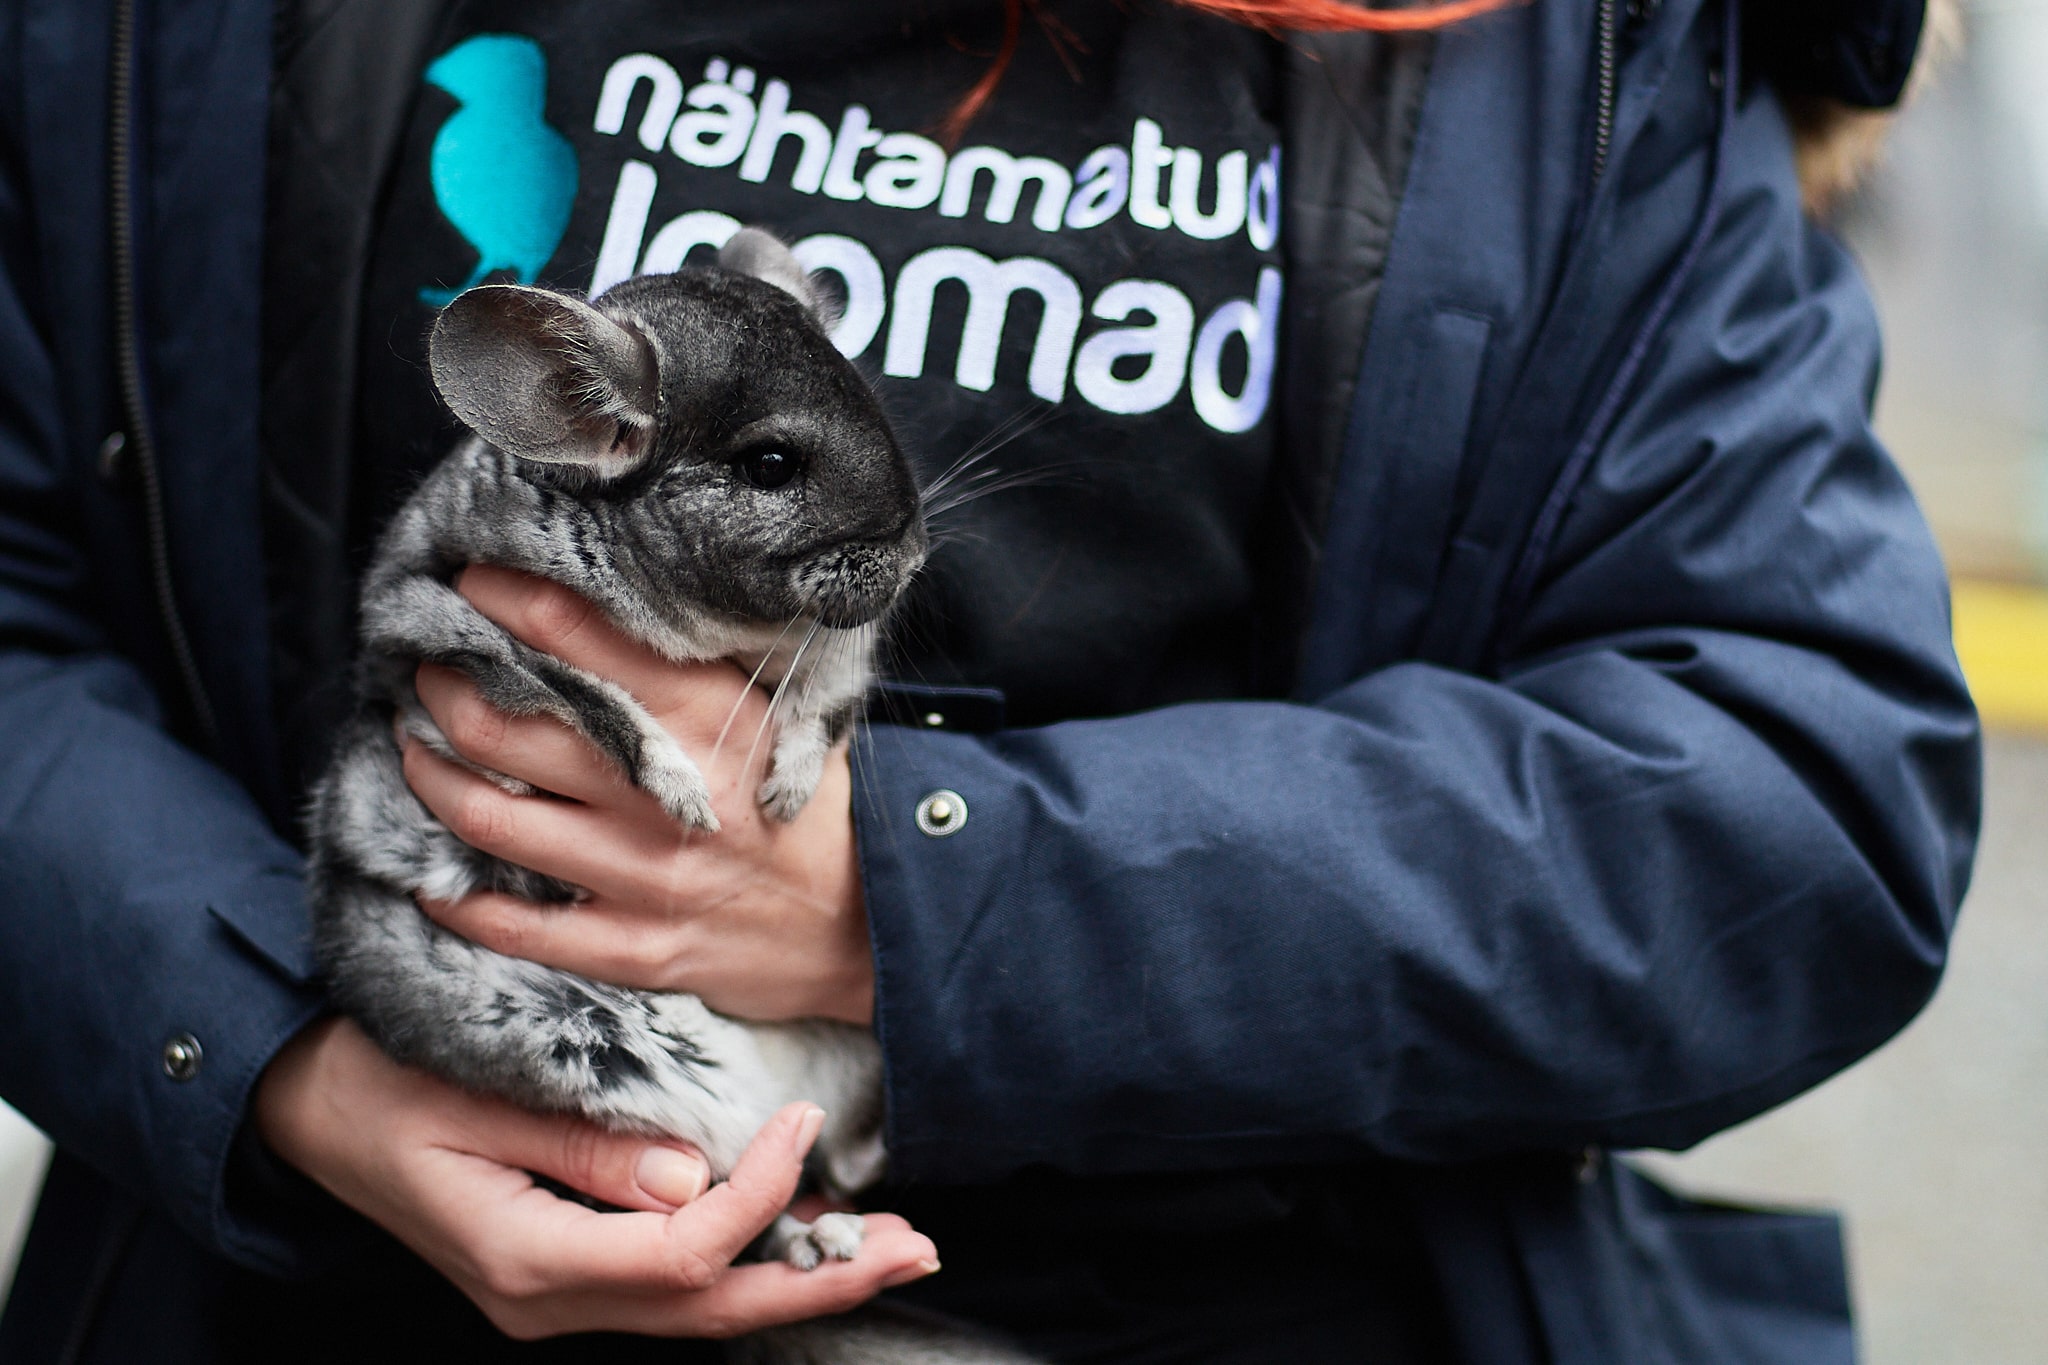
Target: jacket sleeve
{"type": "Point", "coordinates": [121, 851]}
{"type": "Point", "coordinates": [1694, 847]}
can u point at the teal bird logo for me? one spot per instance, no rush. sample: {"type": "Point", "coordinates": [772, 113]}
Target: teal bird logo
{"type": "Point", "coordinates": [501, 175]}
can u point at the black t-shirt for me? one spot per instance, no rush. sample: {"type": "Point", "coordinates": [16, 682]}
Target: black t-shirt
{"type": "Point", "coordinates": [1089, 281]}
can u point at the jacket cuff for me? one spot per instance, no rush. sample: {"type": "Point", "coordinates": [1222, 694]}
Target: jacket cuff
{"type": "Point", "coordinates": [204, 1038]}
{"type": "Point", "coordinates": [935, 819]}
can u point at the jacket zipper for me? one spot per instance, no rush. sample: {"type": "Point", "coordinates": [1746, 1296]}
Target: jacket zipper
{"type": "Point", "coordinates": [1610, 63]}
{"type": "Point", "coordinates": [1723, 78]}
{"type": "Point", "coordinates": [137, 437]}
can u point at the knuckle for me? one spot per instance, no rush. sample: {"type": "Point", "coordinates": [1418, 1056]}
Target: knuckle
{"type": "Point", "coordinates": [511, 1284]}
{"type": "Point", "coordinates": [762, 1196]}
{"type": "Point", "coordinates": [505, 931]}
{"type": "Point", "coordinates": [552, 615]}
{"type": "Point", "coordinates": [720, 1325]}
{"type": "Point", "coordinates": [474, 725]}
{"type": "Point", "coordinates": [582, 1148]}
{"type": "Point", "coordinates": [480, 817]}
{"type": "Point", "coordinates": [633, 956]}
{"type": "Point", "coordinates": [692, 1271]}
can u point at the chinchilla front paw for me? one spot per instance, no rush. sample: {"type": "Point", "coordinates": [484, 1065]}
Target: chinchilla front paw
{"type": "Point", "coordinates": [796, 769]}
{"type": "Point", "coordinates": [831, 1237]}
{"type": "Point", "coordinates": [670, 776]}
{"type": "Point", "coordinates": [783, 798]}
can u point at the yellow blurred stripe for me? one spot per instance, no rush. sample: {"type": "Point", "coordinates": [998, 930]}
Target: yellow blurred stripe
{"type": "Point", "coordinates": [2002, 639]}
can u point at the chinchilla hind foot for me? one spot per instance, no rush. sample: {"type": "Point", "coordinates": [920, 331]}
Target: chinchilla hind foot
{"type": "Point", "coordinates": [832, 1237]}
{"type": "Point", "coordinates": [883, 1334]}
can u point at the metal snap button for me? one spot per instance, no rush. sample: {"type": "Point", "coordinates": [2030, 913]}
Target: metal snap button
{"type": "Point", "coordinates": [942, 813]}
{"type": "Point", "coordinates": [935, 719]}
{"type": "Point", "coordinates": [182, 1056]}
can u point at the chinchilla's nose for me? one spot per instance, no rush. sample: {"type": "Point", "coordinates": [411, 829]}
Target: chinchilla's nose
{"type": "Point", "coordinates": [853, 584]}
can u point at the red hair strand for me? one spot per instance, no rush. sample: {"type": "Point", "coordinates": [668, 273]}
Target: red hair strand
{"type": "Point", "coordinates": [1274, 16]}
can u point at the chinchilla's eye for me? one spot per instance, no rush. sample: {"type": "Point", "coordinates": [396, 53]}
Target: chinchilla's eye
{"type": "Point", "coordinates": [769, 468]}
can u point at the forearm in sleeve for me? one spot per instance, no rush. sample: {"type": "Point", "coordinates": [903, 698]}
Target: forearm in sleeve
{"type": "Point", "coordinates": [141, 1016]}
{"type": "Point", "coordinates": [1695, 844]}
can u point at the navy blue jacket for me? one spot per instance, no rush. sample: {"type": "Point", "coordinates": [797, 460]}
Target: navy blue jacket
{"type": "Point", "coordinates": [1628, 787]}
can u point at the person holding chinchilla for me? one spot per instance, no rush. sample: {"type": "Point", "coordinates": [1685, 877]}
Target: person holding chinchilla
{"type": "Point", "coordinates": [1422, 676]}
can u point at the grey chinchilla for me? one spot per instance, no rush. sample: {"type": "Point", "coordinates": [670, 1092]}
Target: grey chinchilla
{"type": "Point", "coordinates": [689, 453]}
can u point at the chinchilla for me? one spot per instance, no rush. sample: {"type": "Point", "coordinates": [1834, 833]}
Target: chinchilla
{"type": "Point", "coordinates": [691, 454]}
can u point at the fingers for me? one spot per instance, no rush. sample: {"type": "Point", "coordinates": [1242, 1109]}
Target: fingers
{"type": "Point", "coordinates": [589, 942]}
{"type": "Point", "coordinates": [761, 1186]}
{"type": "Point", "coordinates": [629, 1172]}
{"type": "Point", "coordinates": [750, 1297]}
{"type": "Point", "coordinates": [578, 843]}
{"type": "Point", "coordinates": [556, 621]}
{"type": "Point", "coordinates": [538, 750]}
{"type": "Point", "coordinates": [446, 1172]}
{"type": "Point", "coordinates": [553, 1267]}
{"type": "Point", "coordinates": [333, 1073]}
{"type": "Point", "coordinates": [543, 1245]}
{"type": "Point", "coordinates": [746, 1298]}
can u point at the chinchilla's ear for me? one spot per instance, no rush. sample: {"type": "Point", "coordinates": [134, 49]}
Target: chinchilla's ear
{"type": "Point", "coordinates": [751, 251]}
{"type": "Point", "coordinates": [546, 377]}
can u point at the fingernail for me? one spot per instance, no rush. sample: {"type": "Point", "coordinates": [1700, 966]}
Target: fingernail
{"type": "Point", "coordinates": [671, 1176]}
{"type": "Point", "coordinates": [916, 1271]}
{"type": "Point", "coordinates": [808, 1126]}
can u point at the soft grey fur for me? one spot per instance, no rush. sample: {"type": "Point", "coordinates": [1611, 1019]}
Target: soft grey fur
{"type": "Point", "coordinates": [613, 446]}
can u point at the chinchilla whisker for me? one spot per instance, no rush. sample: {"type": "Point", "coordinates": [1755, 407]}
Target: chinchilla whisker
{"type": "Point", "coordinates": [998, 483]}
{"type": "Point", "coordinates": [1065, 471]}
{"type": "Point", "coordinates": [740, 701]}
{"type": "Point", "coordinates": [1017, 424]}
{"type": "Point", "coordinates": [951, 472]}
{"type": "Point", "coordinates": [840, 643]}
{"type": "Point", "coordinates": [864, 736]}
{"type": "Point", "coordinates": [782, 686]}
{"type": "Point", "coordinates": [1009, 429]}
{"type": "Point", "coordinates": [952, 535]}
{"type": "Point", "coordinates": [810, 679]}
{"type": "Point", "coordinates": [826, 652]}
{"type": "Point", "coordinates": [867, 792]}
{"type": "Point", "coordinates": [909, 635]}
{"type": "Point", "coordinates": [966, 469]}
{"type": "Point", "coordinates": [774, 701]}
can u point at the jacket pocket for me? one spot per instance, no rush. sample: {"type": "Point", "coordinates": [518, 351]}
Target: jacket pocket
{"type": "Point", "coordinates": [1742, 1285]}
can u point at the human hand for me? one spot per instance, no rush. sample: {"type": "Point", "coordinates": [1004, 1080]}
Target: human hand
{"type": "Point", "coordinates": [761, 920]}
{"type": "Point", "coordinates": [446, 1172]}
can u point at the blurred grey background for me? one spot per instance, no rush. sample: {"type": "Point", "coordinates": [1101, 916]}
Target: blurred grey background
{"type": "Point", "coordinates": [1937, 1147]}
{"type": "Point", "coordinates": [1953, 231]}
